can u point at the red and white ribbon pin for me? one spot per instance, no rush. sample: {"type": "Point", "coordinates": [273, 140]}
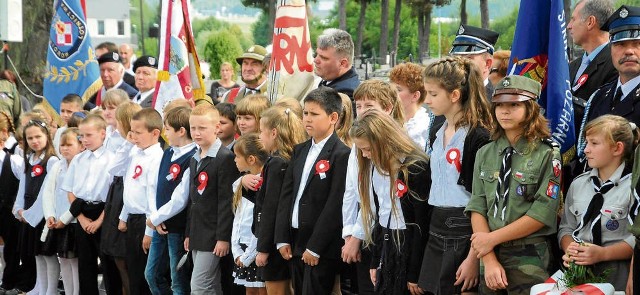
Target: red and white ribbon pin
{"type": "Point", "coordinates": [453, 157]}
{"type": "Point", "coordinates": [174, 170]}
{"type": "Point", "coordinates": [202, 178]}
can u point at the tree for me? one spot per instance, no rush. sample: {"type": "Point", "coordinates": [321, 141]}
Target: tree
{"type": "Point", "coordinates": [384, 31]}
{"type": "Point", "coordinates": [484, 14]}
{"type": "Point", "coordinates": [361, 18]}
{"type": "Point", "coordinates": [463, 12]}
{"type": "Point", "coordinates": [221, 47]}
{"type": "Point", "coordinates": [396, 26]}
{"type": "Point", "coordinates": [342, 8]}
{"type": "Point", "coordinates": [261, 32]}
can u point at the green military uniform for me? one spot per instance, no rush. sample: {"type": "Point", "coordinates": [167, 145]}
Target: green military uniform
{"type": "Point", "coordinates": [534, 191]}
{"type": "Point", "coordinates": [10, 100]}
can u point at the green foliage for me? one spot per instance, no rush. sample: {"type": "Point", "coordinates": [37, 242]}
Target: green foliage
{"type": "Point", "coordinates": [577, 275]}
{"type": "Point", "coordinates": [506, 26]}
{"type": "Point", "coordinates": [260, 30]}
{"type": "Point", "coordinates": [203, 29]}
{"type": "Point", "coordinates": [220, 47]}
{"type": "Point", "coordinates": [151, 46]}
{"type": "Point", "coordinates": [151, 17]}
{"type": "Point", "coordinates": [207, 24]}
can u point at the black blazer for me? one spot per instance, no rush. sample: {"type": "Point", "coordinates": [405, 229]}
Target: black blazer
{"type": "Point", "coordinates": [320, 207]}
{"type": "Point", "coordinates": [130, 79]}
{"type": "Point", "coordinates": [267, 202]}
{"type": "Point", "coordinates": [147, 101]}
{"type": "Point", "coordinates": [628, 108]}
{"type": "Point", "coordinates": [210, 217]}
{"type": "Point", "coordinates": [347, 83]}
{"type": "Point", "coordinates": [600, 72]}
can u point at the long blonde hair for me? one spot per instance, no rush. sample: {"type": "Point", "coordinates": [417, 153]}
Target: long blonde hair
{"type": "Point", "coordinates": [246, 146]}
{"type": "Point", "coordinates": [456, 73]}
{"type": "Point", "coordinates": [392, 152]}
{"type": "Point", "coordinates": [288, 126]}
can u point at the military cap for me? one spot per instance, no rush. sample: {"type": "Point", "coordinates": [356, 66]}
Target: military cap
{"type": "Point", "coordinates": [623, 24]}
{"type": "Point", "coordinates": [519, 88]}
{"type": "Point", "coordinates": [474, 40]}
{"type": "Point", "coordinates": [145, 61]}
{"type": "Point", "coordinates": [109, 57]}
{"type": "Point", "coordinates": [256, 52]}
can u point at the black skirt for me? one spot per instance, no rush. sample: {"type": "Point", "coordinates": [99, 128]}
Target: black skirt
{"type": "Point", "coordinates": [247, 275]}
{"type": "Point", "coordinates": [29, 243]}
{"type": "Point", "coordinates": [277, 269]}
{"type": "Point", "coordinates": [62, 241]}
{"type": "Point", "coordinates": [112, 240]}
{"type": "Point", "coordinates": [394, 256]}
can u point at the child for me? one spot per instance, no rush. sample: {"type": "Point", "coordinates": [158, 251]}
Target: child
{"type": "Point", "coordinates": [291, 103]}
{"type": "Point", "coordinates": [280, 130]}
{"type": "Point", "coordinates": [250, 157]}
{"type": "Point", "coordinates": [248, 112]}
{"type": "Point", "coordinates": [406, 78]}
{"type": "Point", "coordinates": [515, 196]}
{"type": "Point", "coordinates": [40, 156]}
{"type": "Point", "coordinates": [601, 196]}
{"type": "Point", "coordinates": [70, 104]}
{"type": "Point", "coordinates": [227, 133]}
{"type": "Point", "coordinates": [140, 183]}
{"type": "Point", "coordinates": [377, 94]}
{"type": "Point", "coordinates": [168, 215]}
{"type": "Point", "coordinates": [87, 196]}
{"type": "Point", "coordinates": [112, 99]}
{"type": "Point", "coordinates": [120, 143]}
{"type": "Point", "coordinates": [54, 204]}
{"type": "Point", "coordinates": [455, 91]}
{"type": "Point", "coordinates": [394, 188]}
{"type": "Point", "coordinates": [14, 274]}
{"type": "Point", "coordinates": [308, 222]}
{"type": "Point", "coordinates": [210, 192]}
{"type": "Point", "coordinates": [346, 120]}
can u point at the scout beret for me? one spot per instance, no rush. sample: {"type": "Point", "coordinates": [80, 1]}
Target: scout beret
{"type": "Point", "coordinates": [525, 89]}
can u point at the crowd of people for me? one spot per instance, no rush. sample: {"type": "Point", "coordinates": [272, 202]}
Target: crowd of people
{"type": "Point", "coordinates": [444, 180]}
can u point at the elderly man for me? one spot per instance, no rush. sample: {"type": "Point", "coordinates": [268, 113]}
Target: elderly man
{"type": "Point", "coordinates": [146, 69]}
{"type": "Point", "coordinates": [111, 73]}
{"type": "Point", "coordinates": [622, 96]}
{"type": "Point", "coordinates": [334, 60]}
{"type": "Point", "coordinates": [477, 44]}
{"type": "Point", "coordinates": [594, 68]}
{"type": "Point", "coordinates": [253, 74]}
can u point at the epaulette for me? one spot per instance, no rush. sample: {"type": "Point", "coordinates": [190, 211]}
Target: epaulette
{"type": "Point", "coordinates": [550, 142]}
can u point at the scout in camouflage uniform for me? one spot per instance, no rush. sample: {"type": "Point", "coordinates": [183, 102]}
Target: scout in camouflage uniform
{"type": "Point", "coordinates": [515, 193]}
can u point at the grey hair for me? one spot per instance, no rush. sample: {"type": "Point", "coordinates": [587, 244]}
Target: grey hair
{"type": "Point", "coordinates": [338, 39]}
{"type": "Point", "coordinates": [600, 9]}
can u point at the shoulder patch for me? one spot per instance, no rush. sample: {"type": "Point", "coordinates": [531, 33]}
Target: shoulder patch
{"type": "Point", "coordinates": [550, 142]}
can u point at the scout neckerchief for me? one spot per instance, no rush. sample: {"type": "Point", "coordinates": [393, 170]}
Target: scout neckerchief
{"type": "Point", "coordinates": [592, 215]}
{"type": "Point", "coordinates": [503, 182]}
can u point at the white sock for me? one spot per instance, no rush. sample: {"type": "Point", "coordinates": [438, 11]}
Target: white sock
{"type": "Point", "coordinates": [41, 277]}
{"type": "Point", "coordinates": [53, 274]}
{"type": "Point", "coordinates": [70, 280]}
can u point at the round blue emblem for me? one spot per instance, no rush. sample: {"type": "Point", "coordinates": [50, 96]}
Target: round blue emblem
{"type": "Point", "coordinates": [521, 190]}
{"type": "Point", "coordinates": [612, 225]}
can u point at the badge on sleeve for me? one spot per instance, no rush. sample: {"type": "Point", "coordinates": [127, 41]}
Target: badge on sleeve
{"type": "Point", "coordinates": [612, 225]}
{"type": "Point", "coordinates": [553, 189]}
{"type": "Point", "coordinates": [174, 170]}
{"type": "Point", "coordinates": [557, 167]}
{"type": "Point", "coordinates": [521, 190]}
{"type": "Point", "coordinates": [202, 179]}
{"type": "Point", "coordinates": [37, 170]}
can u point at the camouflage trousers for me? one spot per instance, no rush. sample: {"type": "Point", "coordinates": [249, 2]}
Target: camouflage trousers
{"type": "Point", "coordinates": [525, 264]}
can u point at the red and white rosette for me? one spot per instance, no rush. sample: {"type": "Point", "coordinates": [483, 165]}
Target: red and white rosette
{"type": "Point", "coordinates": [322, 167]}
{"type": "Point", "coordinates": [174, 171]}
{"type": "Point", "coordinates": [401, 188]}
{"type": "Point", "coordinates": [37, 170]}
{"type": "Point", "coordinates": [137, 172]}
{"type": "Point", "coordinates": [453, 157]}
{"type": "Point", "coordinates": [580, 82]}
{"type": "Point", "coordinates": [203, 178]}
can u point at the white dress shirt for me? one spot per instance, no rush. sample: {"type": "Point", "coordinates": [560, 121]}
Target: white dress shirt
{"type": "Point", "coordinates": [93, 164]}
{"type": "Point", "coordinates": [628, 87]}
{"type": "Point", "coordinates": [351, 195]}
{"type": "Point", "coordinates": [34, 214]}
{"type": "Point", "coordinates": [140, 181]}
{"type": "Point", "coordinates": [55, 202]}
{"type": "Point", "coordinates": [241, 232]}
{"type": "Point", "coordinates": [180, 195]}
{"type": "Point", "coordinates": [417, 129]}
{"type": "Point", "coordinates": [312, 156]}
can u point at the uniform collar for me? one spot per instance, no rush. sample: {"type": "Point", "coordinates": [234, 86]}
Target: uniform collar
{"type": "Point", "coordinates": [616, 177]}
{"type": "Point", "coordinates": [629, 86]}
{"type": "Point", "coordinates": [212, 152]}
{"type": "Point", "coordinates": [179, 151]}
{"type": "Point", "coordinates": [523, 146]}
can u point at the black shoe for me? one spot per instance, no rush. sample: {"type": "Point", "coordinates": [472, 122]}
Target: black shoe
{"type": "Point", "coordinates": [14, 292]}
{"type": "Point", "coordinates": [2, 291]}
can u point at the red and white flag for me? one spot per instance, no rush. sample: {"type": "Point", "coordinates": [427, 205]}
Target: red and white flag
{"type": "Point", "coordinates": [291, 69]}
{"type": "Point", "coordinates": [179, 73]}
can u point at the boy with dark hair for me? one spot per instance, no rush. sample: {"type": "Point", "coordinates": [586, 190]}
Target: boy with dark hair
{"type": "Point", "coordinates": [70, 104]}
{"type": "Point", "coordinates": [309, 223]}
{"type": "Point", "coordinates": [228, 127]}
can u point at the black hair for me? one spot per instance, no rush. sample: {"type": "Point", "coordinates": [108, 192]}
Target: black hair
{"type": "Point", "coordinates": [328, 99]}
{"type": "Point", "coordinates": [72, 98]}
{"type": "Point", "coordinates": [227, 110]}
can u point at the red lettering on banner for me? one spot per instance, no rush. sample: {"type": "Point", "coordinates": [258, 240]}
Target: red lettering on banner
{"type": "Point", "coordinates": [288, 49]}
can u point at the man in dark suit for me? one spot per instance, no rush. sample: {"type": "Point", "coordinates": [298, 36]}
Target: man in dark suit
{"type": "Point", "coordinates": [594, 68]}
{"type": "Point", "coordinates": [146, 69]}
{"type": "Point", "coordinates": [622, 96]}
{"type": "Point", "coordinates": [334, 61]}
{"type": "Point", "coordinates": [309, 222]}
{"type": "Point", "coordinates": [111, 73]}
{"type": "Point", "coordinates": [477, 44]}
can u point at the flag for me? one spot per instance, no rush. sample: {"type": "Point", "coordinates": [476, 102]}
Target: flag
{"type": "Point", "coordinates": [179, 74]}
{"type": "Point", "coordinates": [71, 63]}
{"type": "Point", "coordinates": [539, 51]}
{"type": "Point", "coordinates": [291, 68]}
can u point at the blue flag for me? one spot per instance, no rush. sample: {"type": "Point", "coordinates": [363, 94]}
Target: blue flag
{"type": "Point", "coordinates": [539, 51]}
{"type": "Point", "coordinates": [71, 63]}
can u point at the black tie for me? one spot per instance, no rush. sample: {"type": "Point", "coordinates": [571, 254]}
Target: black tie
{"type": "Point", "coordinates": [503, 182]}
{"type": "Point", "coordinates": [252, 90]}
{"type": "Point", "coordinates": [593, 211]}
{"type": "Point", "coordinates": [617, 97]}
{"type": "Point", "coordinates": [324, 83]}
